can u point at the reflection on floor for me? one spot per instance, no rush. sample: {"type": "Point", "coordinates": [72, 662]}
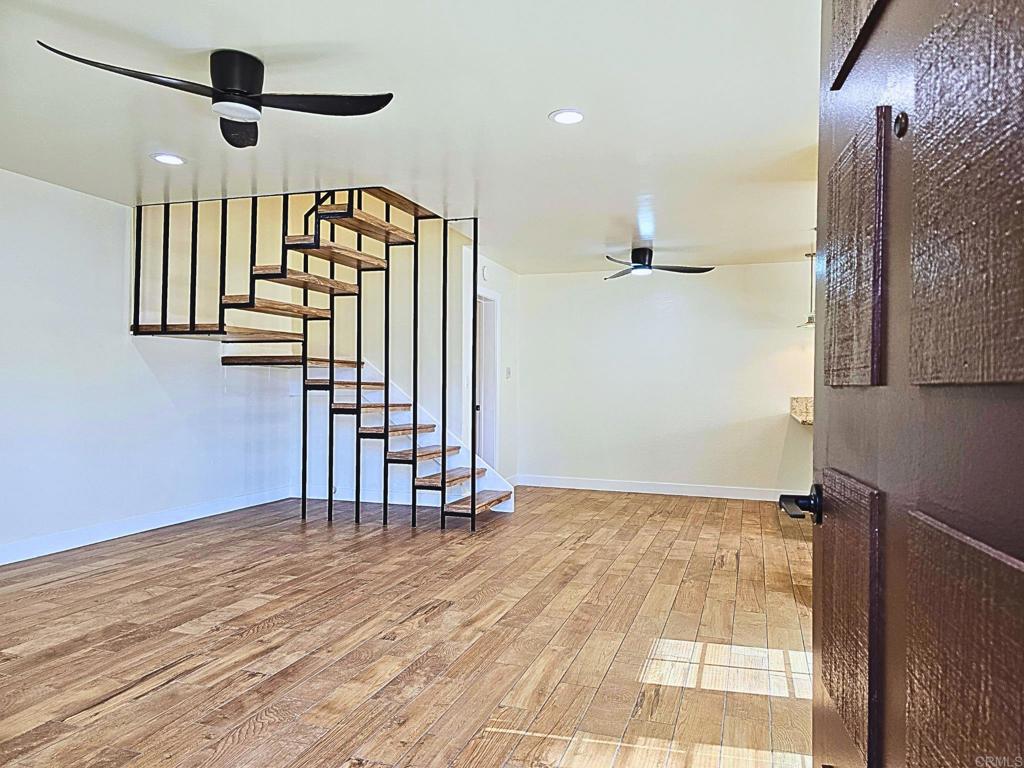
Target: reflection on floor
{"type": "Point", "coordinates": [586, 630]}
{"type": "Point", "coordinates": [722, 667]}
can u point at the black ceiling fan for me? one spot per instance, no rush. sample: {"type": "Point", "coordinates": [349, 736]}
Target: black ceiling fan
{"type": "Point", "coordinates": [641, 263]}
{"type": "Point", "coordinates": [237, 93]}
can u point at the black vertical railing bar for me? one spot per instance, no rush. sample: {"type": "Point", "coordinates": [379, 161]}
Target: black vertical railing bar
{"type": "Point", "coordinates": [137, 310]}
{"type": "Point", "coordinates": [194, 245]}
{"type": "Point", "coordinates": [284, 234]}
{"type": "Point", "coordinates": [164, 280]}
{"type": "Point", "coordinates": [359, 385]}
{"type": "Point", "coordinates": [305, 360]}
{"type": "Point", "coordinates": [415, 361]}
{"type": "Point", "coordinates": [253, 234]}
{"type": "Point", "coordinates": [330, 391]}
{"type": "Point", "coordinates": [387, 364]}
{"type": "Point", "coordinates": [444, 367]}
{"type": "Point", "coordinates": [472, 452]}
{"type": "Point", "coordinates": [223, 261]}
{"type": "Point", "coordinates": [305, 402]}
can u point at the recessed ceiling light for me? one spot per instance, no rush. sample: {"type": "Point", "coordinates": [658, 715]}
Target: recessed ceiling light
{"type": "Point", "coordinates": [567, 116]}
{"type": "Point", "coordinates": [167, 158]}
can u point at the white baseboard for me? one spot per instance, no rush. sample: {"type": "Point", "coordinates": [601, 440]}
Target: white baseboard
{"type": "Point", "coordinates": [60, 541]}
{"type": "Point", "coordinates": [670, 489]}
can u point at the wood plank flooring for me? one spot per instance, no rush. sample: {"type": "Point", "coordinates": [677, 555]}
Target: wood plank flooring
{"type": "Point", "coordinates": [585, 629]}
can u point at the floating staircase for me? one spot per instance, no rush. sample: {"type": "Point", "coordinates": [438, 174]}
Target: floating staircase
{"type": "Point", "coordinates": [377, 417]}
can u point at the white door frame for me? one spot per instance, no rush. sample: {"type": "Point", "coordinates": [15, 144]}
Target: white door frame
{"type": "Point", "coordinates": [494, 299]}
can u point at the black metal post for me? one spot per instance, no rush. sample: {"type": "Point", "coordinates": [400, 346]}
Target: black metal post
{"type": "Point", "coordinates": [305, 401]}
{"type": "Point", "coordinates": [305, 374]}
{"type": "Point", "coordinates": [138, 269]}
{"type": "Point", "coordinates": [284, 233]}
{"type": "Point", "coordinates": [166, 267]}
{"type": "Point", "coordinates": [253, 234]}
{"type": "Point", "coordinates": [330, 393]}
{"type": "Point", "coordinates": [223, 262]}
{"type": "Point", "coordinates": [387, 362]}
{"type": "Point", "coordinates": [415, 360]}
{"type": "Point", "coordinates": [359, 386]}
{"type": "Point", "coordinates": [192, 268]}
{"type": "Point", "coordinates": [444, 367]}
{"type": "Point", "coordinates": [476, 405]}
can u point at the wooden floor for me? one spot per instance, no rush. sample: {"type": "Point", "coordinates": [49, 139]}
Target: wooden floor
{"type": "Point", "coordinates": [586, 629]}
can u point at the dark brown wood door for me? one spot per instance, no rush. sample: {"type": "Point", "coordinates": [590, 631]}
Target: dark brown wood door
{"type": "Point", "coordinates": [919, 433]}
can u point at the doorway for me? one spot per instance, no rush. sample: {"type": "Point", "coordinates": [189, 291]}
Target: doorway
{"type": "Point", "coordinates": [487, 362]}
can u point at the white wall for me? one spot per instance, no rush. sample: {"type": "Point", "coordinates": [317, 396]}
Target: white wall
{"type": "Point", "coordinates": [666, 383]}
{"type": "Point", "coordinates": [103, 433]}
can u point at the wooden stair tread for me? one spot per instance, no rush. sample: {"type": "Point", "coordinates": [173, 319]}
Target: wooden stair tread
{"type": "Point", "coordinates": [323, 362]}
{"type": "Point", "coordinates": [351, 406]}
{"type": "Point", "coordinates": [339, 254]}
{"type": "Point", "coordinates": [455, 476]}
{"type": "Point", "coordinates": [398, 429]}
{"type": "Point", "coordinates": [346, 384]}
{"type": "Point", "coordinates": [237, 333]}
{"type": "Point", "coordinates": [400, 202]}
{"type": "Point", "coordinates": [272, 307]}
{"type": "Point", "coordinates": [423, 453]}
{"type": "Point", "coordinates": [298, 279]}
{"type": "Point", "coordinates": [282, 360]}
{"type": "Point", "coordinates": [484, 500]}
{"type": "Point", "coordinates": [211, 332]}
{"type": "Point", "coordinates": [366, 224]}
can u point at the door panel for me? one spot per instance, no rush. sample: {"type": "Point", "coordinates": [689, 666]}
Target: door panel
{"type": "Point", "coordinates": [852, 21]}
{"type": "Point", "coordinates": [968, 242]}
{"type": "Point", "coordinates": [850, 619]}
{"type": "Point", "coordinates": [965, 650]}
{"type": "Point", "coordinates": [939, 435]}
{"type": "Point", "coordinates": [854, 255]}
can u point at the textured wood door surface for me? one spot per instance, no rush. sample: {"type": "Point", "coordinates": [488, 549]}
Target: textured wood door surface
{"type": "Point", "coordinates": [919, 433]}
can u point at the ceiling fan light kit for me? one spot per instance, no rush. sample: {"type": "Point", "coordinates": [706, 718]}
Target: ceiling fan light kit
{"type": "Point", "coordinates": [236, 94]}
{"type": "Point", "coordinates": [641, 262]}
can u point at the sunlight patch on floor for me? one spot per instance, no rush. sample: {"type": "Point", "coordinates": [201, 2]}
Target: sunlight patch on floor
{"type": "Point", "coordinates": [731, 668]}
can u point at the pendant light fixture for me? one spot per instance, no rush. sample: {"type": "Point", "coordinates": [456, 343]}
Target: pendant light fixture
{"type": "Point", "coordinates": [810, 314]}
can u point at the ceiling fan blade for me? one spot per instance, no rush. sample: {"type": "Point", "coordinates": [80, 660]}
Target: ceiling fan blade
{"type": "Point", "coordinates": [620, 273]}
{"type": "Point", "coordinates": [239, 134]}
{"type": "Point", "coordinates": [685, 270]}
{"type": "Point", "coordinates": [171, 82]}
{"type": "Point", "coordinates": [327, 104]}
{"type": "Point", "coordinates": [618, 261]}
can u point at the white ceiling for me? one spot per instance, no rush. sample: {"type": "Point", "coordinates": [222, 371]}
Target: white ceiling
{"type": "Point", "coordinates": [706, 109]}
